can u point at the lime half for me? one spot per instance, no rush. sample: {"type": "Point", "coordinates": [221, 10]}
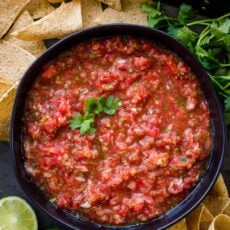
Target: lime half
{"type": "Point", "coordinates": [16, 213]}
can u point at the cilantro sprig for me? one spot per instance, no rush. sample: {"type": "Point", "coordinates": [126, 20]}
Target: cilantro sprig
{"type": "Point", "coordinates": [83, 122]}
{"type": "Point", "coordinates": [94, 106]}
{"type": "Point", "coordinates": [211, 45]}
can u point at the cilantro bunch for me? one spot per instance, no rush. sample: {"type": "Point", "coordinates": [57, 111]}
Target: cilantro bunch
{"type": "Point", "coordinates": [211, 45]}
{"type": "Point", "coordinates": [93, 107]}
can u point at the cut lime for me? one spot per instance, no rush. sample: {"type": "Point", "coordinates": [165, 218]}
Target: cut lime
{"type": "Point", "coordinates": [16, 213]}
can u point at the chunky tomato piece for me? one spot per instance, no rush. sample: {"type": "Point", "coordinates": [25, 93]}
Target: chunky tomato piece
{"type": "Point", "coordinates": [49, 72]}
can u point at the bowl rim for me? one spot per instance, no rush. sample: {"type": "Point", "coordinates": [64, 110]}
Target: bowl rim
{"type": "Point", "coordinates": [181, 209]}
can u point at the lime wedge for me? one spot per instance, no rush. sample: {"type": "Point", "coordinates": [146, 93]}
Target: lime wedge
{"type": "Point", "coordinates": [16, 213]}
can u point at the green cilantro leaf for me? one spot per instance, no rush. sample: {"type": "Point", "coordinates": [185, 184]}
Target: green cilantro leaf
{"type": "Point", "coordinates": [111, 105]}
{"type": "Point", "coordinates": [85, 123]}
{"type": "Point", "coordinates": [93, 106]}
{"type": "Point", "coordinates": [150, 10]}
{"type": "Point", "coordinates": [220, 27]}
{"type": "Point", "coordinates": [227, 104]}
{"type": "Point", "coordinates": [76, 121]}
{"type": "Point", "coordinates": [157, 22]}
{"type": "Point", "coordinates": [112, 102]}
{"type": "Point", "coordinates": [92, 130]}
{"type": "Point", "coordinates": [155, 16]}
{"type": "Point", "coordinates": [206, 58]}
{"type": "Point", "coordinates": [85, 126]}
{"type": "Point", "coordinates": [186, 13]}
{"type": "Point", "coordinates": [227, 110]}
{"type": "Point", "coordinates": [184, 35]}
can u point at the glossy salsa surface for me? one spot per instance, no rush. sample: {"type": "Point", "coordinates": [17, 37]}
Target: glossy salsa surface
{"type": "Point", "coordinates": [141, 161]}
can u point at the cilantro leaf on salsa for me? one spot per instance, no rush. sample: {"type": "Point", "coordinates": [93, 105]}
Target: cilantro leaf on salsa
{"type": "Point", "coordinates": [93, 106]}
{"type": "Point", "coordinates": [111, 105]}
{"type": "Point", "coordinates": [85, 123]}
{"type": "Point", "coordinates": [76, 122]}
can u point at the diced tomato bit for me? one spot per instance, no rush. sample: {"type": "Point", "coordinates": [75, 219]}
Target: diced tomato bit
{"type": "Point", "coordinates": [49, 72]}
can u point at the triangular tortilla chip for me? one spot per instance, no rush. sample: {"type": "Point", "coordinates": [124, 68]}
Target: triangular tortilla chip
{"type": "Point", "coordinates": [131, 14]}
{"type": "Point", "coordinates": [62, 21]}
{"type": "Point", "coordinates": [36, 48]}
{"type": "Point", "coordinates": [9, 10]}
{"type": "Point", "coordinates": [116, 4]}
{"type": "Point", "coordinates": [91, 9]}
{"type": "Point", "coordinates": [6, 103]}
{"type": "Point", "coordinates": [181, 225]}
{"type": "Point", "coordinates": [219, 188]}
{"type": "Point", "coordinates": [13, 61]}
{"type": "Point", "coordinates": [198, 217]}
{"type": "Point", "coordinates": [220, 222]}
{"type": "Point", "coordinates": [216, 205]}
{"type": "Point", "coordinates": [4, 85]}
{"type": "Point", "coordinates": [39, 8]}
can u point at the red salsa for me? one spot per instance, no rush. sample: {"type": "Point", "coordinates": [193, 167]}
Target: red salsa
{"type": "Point", "coordinates": [140, 162]}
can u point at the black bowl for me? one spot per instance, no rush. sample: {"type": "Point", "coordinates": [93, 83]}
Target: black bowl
{"type": "Point", "coordinates": [219, 130]}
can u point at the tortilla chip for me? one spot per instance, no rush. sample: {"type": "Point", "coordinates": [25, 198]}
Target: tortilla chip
{"type": "Point", "coordinates": [226, 209]}
{"type": "Point", "coordinates": [6, 103]}
{"type": "Point", "coordinates": [91, 9]}
{"type": "Point", "coordinates": [116, 4]}
{"type": "Point", "coordinates": [35, 48]}
{"type": "Point", "coordinates": [55, 1]}
{"type": "Point", "coordinates": [62, 21]}
{"type": "Point", "coordinates": [219, 188]}
{"type": "Point", "coordinates": [199, 216]}
{"type": "Point", "coordinates": [4, 85]}
{"type": "Point", "coordinates": [216, 205]}
{"type": "Point", "coordinates": [131, 14]}
{"type": "Point", "coordinates": [220, 222]}
{"type": "Point", "coordinates": [181, 225]}
{"type": "Point", "coordinates": [9, 10]}
{"type": "Point", "coordinates": [39, 8]}
{"type": "Point", "coordinates": [13, 61]}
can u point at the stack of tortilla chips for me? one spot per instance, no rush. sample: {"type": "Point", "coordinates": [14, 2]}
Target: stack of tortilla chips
{"type": "Point", "coordinates": [24, 24]}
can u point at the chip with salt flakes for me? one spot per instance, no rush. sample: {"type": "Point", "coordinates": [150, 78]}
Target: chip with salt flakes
{"type": "Point", "coordinates": [6, 103]}
{"type": "Point", "coordinates": [91, 9]}
{"type": "Point", "coordinates": [62, 21]}
{"type": "Point", "coordinates": [131, 14]}
{"type": "Point", "coordinates": [9, 10]}
{"type": "Point", "coordinates": [13, 61]}
{"type": "Point", "coordinates": [39, 8]}
{"type": "Point", "coordinates": [35, 48]}
{"type": "Point", "coordinates": [116, 4]}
